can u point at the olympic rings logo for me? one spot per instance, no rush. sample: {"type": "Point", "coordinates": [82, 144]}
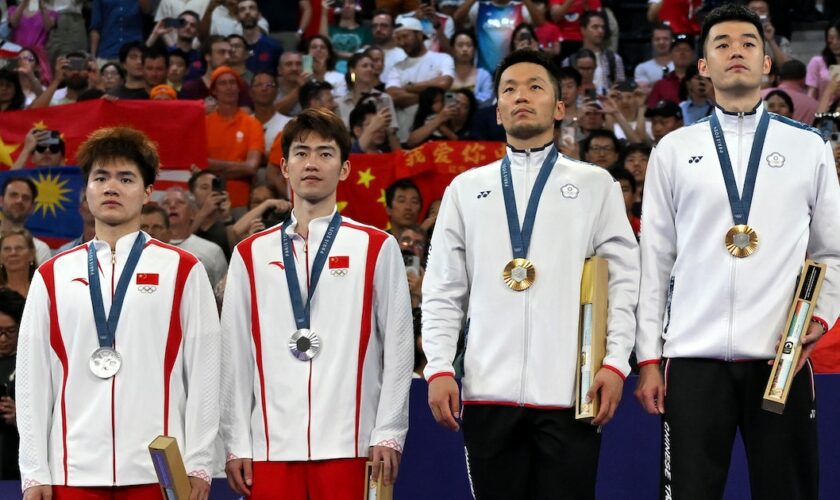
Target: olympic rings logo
{"type": "Point", "coordinates": [339, 273]}
{"type": "Point", "coordinates": [147, 289]}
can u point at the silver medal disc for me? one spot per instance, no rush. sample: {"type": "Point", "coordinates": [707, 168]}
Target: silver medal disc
{"type": "Point", "coordinates": [304, 344]}
{"type": "Point", "coordinates": [105, 362]}
{"type": "Point", "coordinates": [519, 273]}
{"type": "Point", "coordinates": [741, 240]}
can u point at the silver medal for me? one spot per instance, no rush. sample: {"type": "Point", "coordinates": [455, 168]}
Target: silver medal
{"type": "Point", "coordinates": [105, 362]}
{"type": "Point", "coordinates": [304, 344]}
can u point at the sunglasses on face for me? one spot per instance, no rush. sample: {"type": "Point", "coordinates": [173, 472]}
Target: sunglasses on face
{"type": "Point", "coordinates": [52, 148]}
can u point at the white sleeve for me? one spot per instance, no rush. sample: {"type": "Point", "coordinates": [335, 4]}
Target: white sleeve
{"type": "Point", "coordinates": [202, 339]}
{"type": "Point", "coordinates": [43, 251]}
{"type": "Point", "coordinates": [445, 288]}
{"type": "Point", "coordinates": [449, 27]}
{"type": "Point", "coordinates": [659, 252]}
{"type": "Point", "coordinates": [395, 323]}
{"type": "Point", "coordinates": [35, 396]}
{"type": "Point", "coordinates": [824, 241]}
{"type": "Point", "coordinates": [219, 265]}
{"type": "Point", "coordinates": [639, 74]}
{"type": "Point", "coordinates": [394, 78]}
{"type": "Point", "coordinates": [615, 241]}
{"type": "Point", "coordinates": [162, 10]}
{"type": "Point", "coordinates": [237, 392]}
{"type": "Point", "coordinates": [473, 13]}
{"type": "Point", "coordinates": [447, 66]}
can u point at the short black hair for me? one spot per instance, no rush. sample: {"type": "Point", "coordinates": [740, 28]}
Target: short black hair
{"type": "Point", "coordinates": [404, 183]}
{"type": "Point", "coordinates": [195, 177]}
{"type": "Point", "coordinates": [179, 53]}
{"type": "Point", "coordinates": [128, 47]}
{"type": "Point", "coordinates": [783, 96]}
{"type": "Point", "coordinates": [730, 12]}
{"type": "Point", "coordinates": [607, 134]}
{"type": "Point", "coordinates": [119, 69]}
{"type": "Point", "coordinates": [237, 35]}
{"type": "Point", "coordinates": [792, 70]}
{"type": "Point", "coordinates": [467, 33]}
{"type": "Point", "coordinates": [207, 46]}
{"type": "Point", "coordinates": [660, 26]}
{"type": "Point", "coordinates": [637, 147]}
{"type": "Point", "coordinates": [310, 89]}
{"type": "Point", "coordinates": [11, 304]}
{"type": "Point", "coordinates": [155, 52]}
{"type": "Point", "coordinates": [20, 178]}
{"type": "Point", "coordinates": [359, 113]}
{"type": "Point", "coordinates": [528, 56]}
{"type": "Point", "coordinates": [589, 14]}
{"type": "Point", "coordinates": [569, 73]}
{"type": "Point", "coordinates": [621, 174]}
{"type": "Point", "coordinates": [323, 122]}
{"type": "Point", "coordinates": [192, 13]}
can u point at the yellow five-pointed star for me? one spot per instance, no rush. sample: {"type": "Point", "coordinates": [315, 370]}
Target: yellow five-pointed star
{"type": "Point", "coordinates": [40, 125]}
{"type": "Point", "coordinates": [341, 206]}
{"type": "Point", "coordinates": [6, 151]}
{"type": "Point", "coordinates": [365, 177]}
{"type": "Point", "coordinates": [382, 198]}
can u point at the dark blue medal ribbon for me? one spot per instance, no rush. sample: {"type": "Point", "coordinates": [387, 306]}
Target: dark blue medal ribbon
{"type": "Point", "coordinates": [520, 239]}
{"type": "Point", "coordinates": [106, 329]}
{"type": "Point", "coordinates": [740, 206]}
{"type": "Point", "coordinates": [300, 310]}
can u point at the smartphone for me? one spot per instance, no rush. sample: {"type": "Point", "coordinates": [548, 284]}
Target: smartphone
{"type": "Point", "coordinates": [412, 263]}
{"type": "Point", "coordinates": [173, 22]}
{"type": "Point", "coordinates": [834, 71]}
{"type": "Point", "coordinates": [78, 63]}
{"type": "Point", "coordinates": [590, 94]}
{"type": "Point", "coordinates": [11, 64]}
{"type": "Point", "coordinates": [449, 99]}
{"type": "Point", "coordinates": [52, 138]}
{"type": "Point", "coordinates": [218, 185]}
{"type": "Point", "coordinates": [307, 63]}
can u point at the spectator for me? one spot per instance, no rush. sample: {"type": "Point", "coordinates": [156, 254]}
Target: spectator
{"type": "Point", "coordinates": [792, 81]}
{"type": "Point", "coordinates": [818, 75]}
{"type": "Point", "coordinates": [655, 68]}
{"type": "Point", "coordinates": [361, 81]}
{"type": "Point", "coordinates": [220, 18]}
{"type": "Point", "coordinates": [494, 22]}
{"type": "Point", "coordinates": [432, 121]}
{"type": "Point", "coordinates": [88, 227]}
{"type": "Point", "coordinates": [636, 158]}
{"type": "Point", "coordinates": [680, 15]}
{"type": "Point", "coordinates": [776, 46]}
{"type": "Point", "coordinates": [235, 141]}
{"type": "Point", "coordinates": [69, 33]}
{"type": "Point", "coordinates": [422, 69]}
{"type": "Point", "coordinates": [239, 57]}
{"type": "Point", "coordinates": [288, 20]}
{"type": "Point", "coordinates": [585, 63]}
{"type": "Point", "coordinates": [17, 204]}
{"type": "Point", "coordinates": [155, 221]}
{"type": "Point", "coordinates": [315, 94]}
{"type": "Point", "coordinates": [696, 90]}
{"type": "Point", "coordinates": [779, 102]}
{"type": "Point", "coordinates": [182, 38]}
{"type": "Point", "coordinates": [383, 38]}
{"type": "Point", "coordinates": [413, 242]}
{"type": "Point", "coordinates": [216, 52]}
{"type": "Point", "coordinates": [668, 88]}
{"type": "Point", "coordinates": [46, 147]}
{"type": "Point", "coordinates": [174, 9]}
{"type": "Point", "coordinates": [570, 80]}
{"type": "Point", "coordinates": [112, 77]}
{"type": "Point", "coordinates": [155, 64]}
{"type": "Point", "coordinates": [163, 92]}
{"type": "Point", "coordinates": [437, 26]}
{"type": "Point", "coordinates": [131, 58]}
{"type": "Point", "coordinates": [348, 35]}
{"type": "Point", "coordinates": [114, 23]}
{"type": "Point", "coordinates": [403, 203]}
{"type": "Point", "coordinates": [213, 220]}
{"type": "Point", "coordinates": [524, 37]}
{"type": "Point", "coordinates": [177, 70]}
{"type": "Point", "coordinates": [74, 72]}
{"type": "Point", "coordinates": [371, 129]}
{"type": "Point", "coordinates": [377, 57]}
{"type": "Point", "coordinates": [32, 73]}
{"type": "Point", "coordinates": [17, 260]}
{"type": "Point", "coordinates": [30, 24]}
{"type": "Point", "coordinates": [665, 117]}
{"type": "Point", "coordinates": [601, 148]}
{"type": "Point", "coordinates": [264, 94]}
{"type": "Point", "coordinates": [609, 67]}
{"type": "Point", "coordinates": [467, 74]}
{"type": "Point", "coordinates": [591, 118]}
{"type": "Point", "coordinates": [12, 97]}
{"type": "Point", "coordinates": [323, 63]}
{"type": "Point", "coordinates": [622, 112]}
{"type": "Point", "coordinates": [182, 208]}
{"type": "Point", "coordinates": [566, 15]}
{"type": "Point", "coordinates": [11, 310]}
{"type": "Point", "coordinates": [548, 34]}
{"type": "Point", "coordinates": [266, 209]}
{"type": "Point", "coordinates": [291, 78]}
{"type": "Point", "coordinates": [628, 191]}
{"type": "Point", "coordinates": [264, 51]}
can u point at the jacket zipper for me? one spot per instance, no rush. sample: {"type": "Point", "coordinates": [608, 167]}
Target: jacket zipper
{"type": "Point", "coordinates": [733, 262]}
{"type": "Point", "coordinates": [113, 381]}
{"type": "Point", "coordinates": [309, 382]}
{"type": "Point", "coordinates": [525, 312]}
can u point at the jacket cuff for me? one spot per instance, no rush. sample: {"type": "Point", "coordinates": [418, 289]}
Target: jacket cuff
{"type": "Point", "coordinates": [616, 370]}
{"type": "Point", "coordinates": [649, 362]}
{"type": "Point", "coordinates": [391, 443]}
{"type": "Point", "coordinates": [821, 322]}
{"type": "Point", "coordinates": [201, 474]}
{"type": "Point", "coordinates": [440, 374]}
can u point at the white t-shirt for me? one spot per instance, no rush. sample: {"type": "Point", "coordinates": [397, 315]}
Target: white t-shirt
{"type": "Point", "coordinates": [223, 23]}
{"type": "Point", "coordinates": [417, 69]}
{"type": "Point", "coordinates": [392, 57]}
{"type": "Point", "coordinates": [338, 82]}
{"type": "Point", "coordinates": [650, 71]}
{"type": "Point", "coordinates": [273, 127]}
{"type": "Point", "coordinates": [209, 253]}
{"type": "Point", "coordinates": [42, 251]}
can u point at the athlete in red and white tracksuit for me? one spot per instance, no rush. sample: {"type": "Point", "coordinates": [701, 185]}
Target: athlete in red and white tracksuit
{"type": "Point", "coordinates": [78, 430]}
{"type": "Point", "coordinates": [306, 423]}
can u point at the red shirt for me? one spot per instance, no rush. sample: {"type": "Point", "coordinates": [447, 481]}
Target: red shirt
{"type": "Point", "coordinates": [826, 357]}
{"type": "Point", "coordinates": [681, 15]}
{"type": "Point", "coordinates": [570, 24]}
{"type": "Point", "coordinates": [666, 89]}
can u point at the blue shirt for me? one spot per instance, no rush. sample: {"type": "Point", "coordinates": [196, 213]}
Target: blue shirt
{"type": "Point", "coordinates": [118, 22]}
{"type": "Point", "coordinates": [692, 112]}
{"type": "Point", "coordinates": [195, 64]}
{"type": "Point", "coordinates": [264, 55]}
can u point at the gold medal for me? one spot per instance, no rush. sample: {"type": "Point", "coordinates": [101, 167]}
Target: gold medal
{"type": "Point", "coordinates": [519, 274]}
{"type": "Point", "coordinates": [741, 240]}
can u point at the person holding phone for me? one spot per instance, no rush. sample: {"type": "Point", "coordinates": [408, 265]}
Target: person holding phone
{"type": "Point", "coordinates": [72, 71]}
{"type": "Point", "coordinates": [825, 67]}
{"type": "Point", "coordinates": [361, 82]}
{"type": "Point", "coordinates": [45, 147]}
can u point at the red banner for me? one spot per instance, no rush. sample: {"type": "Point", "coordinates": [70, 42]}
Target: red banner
{"type": "Point", "coordinates": [176, 126]}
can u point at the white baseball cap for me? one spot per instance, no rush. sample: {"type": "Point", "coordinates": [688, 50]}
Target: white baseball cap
{"type": "Point", "coordinates": [408, 24]}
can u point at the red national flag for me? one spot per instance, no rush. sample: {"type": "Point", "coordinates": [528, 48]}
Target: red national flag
{"type": "Point", "coordinates": [147, 279]}
{"type": "Point", "coordinates": [340, 262]}
{"type": "Point", "coordinates": [176, 126]}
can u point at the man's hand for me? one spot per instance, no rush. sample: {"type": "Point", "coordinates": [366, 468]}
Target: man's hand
{"type": "Point", "coordinates": [381, 120]}
{"type": "Point", "coordinates": [650, 390]}
{"type": "Point", "coordinates": [239, 475]}
{"type": "Point", "coordinates": [606, 386]}
{"type": "Point", "coordinates": [769, 31]}
{"type": "Point", "coordinates": [809, 342]}
{"type": "Point", "coordinates": [8, 410]}
{"type": "Point", "coordinates": [33, 137]}
{"type": "Point", "coordinates": [62, 65]}
{"type": "Point", "coordinates": [389, 458]}
{"type": "Point", "coordinates": [199, 489]}
{"type": "Point", "coordinates": [43, 492]}
{"type": "Point", "coordinates": [445, 401]}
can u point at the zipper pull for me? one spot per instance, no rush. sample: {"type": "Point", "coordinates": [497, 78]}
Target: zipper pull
{"type": "Point", "coordinates": [113, 257]}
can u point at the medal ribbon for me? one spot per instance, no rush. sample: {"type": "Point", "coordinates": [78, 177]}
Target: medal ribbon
{"type": "Point", "coordinates": [300, 310]}
{"type": "Point", "coordinates": [520, 239]}
{"type": "Point", "coordinates": [740, 206]}
{"type": "Point", "coordinates": [106, 330]}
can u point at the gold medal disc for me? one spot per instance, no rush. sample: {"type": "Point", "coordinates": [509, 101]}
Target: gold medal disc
{"type": "Point", "coordinates": [519, 274]}
{"type": "Point", "coordinates": [741, 240]}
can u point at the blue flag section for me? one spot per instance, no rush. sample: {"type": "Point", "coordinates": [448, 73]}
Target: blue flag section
{"type": "Point", "coordinates": [55, 218]}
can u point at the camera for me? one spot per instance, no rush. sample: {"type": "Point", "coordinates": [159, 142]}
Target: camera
{"type": "Point", "coordinates": [173, 22]}
{"type": "Point", "coordinates": [78, 63]}
{"type": "Point", "coordinates": [53, 138]}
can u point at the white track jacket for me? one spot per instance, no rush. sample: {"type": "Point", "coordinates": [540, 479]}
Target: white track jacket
{"type": "Point", "coordinates": [521, 347]}
{"type": "Point", "coordinates": [354, 393]}
{"type": "Point", "coordinates": [696, 299]}
{"type": "Point", "coordinates": [79, 430]}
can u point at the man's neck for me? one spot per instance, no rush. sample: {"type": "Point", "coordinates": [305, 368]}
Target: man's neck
{"type": "Point", "coordinates": [239, 67]}
{"type": "Point", "coordinates": [135, 83]}
{"type": "Point", "coordinates": [88, 233]}
{"type": "Point", "coordinates": [184, 44]}
{"type": "Point", "coordinates": [226, 110]}
{"type": "Point", "coordinates": [537, 141]}
{"type": "Point", "coordinates": [663, 60]}
{"type": "Point", "coordinates": [591, 46]}
{"type": "Point", "coordinates": [264, 112]}
{"type": "Point", "coordinates": [388, 45]}
{"type": "Point", "coordinates": [738, 102]}
{"type": "Point", "coordinates": [251, 35]}
{"type": "Point", "coordinates": [180, 231]}
{"type": "Point", "coordinates": [111, 234]}
{"type": "Point", "coordinates": [360, 88]}
{"type": "Point", "coordinates": [306, 212]}
{"type": "Point", "coordinates": [7, 224]}
{"type": "Point", "coordinates": [421, 53]}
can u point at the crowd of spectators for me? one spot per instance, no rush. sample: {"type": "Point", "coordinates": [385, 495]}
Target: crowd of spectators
{"type": "Point", "coordinates": [399, 73]}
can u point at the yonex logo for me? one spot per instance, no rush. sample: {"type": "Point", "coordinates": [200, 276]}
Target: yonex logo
{"type": "Point", "coordinates": [482, 194]}
{"type": "Point", "coordinates": [695, 159]}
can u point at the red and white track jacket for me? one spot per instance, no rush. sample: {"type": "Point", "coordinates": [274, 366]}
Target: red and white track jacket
{"type": "Point", "coordinates": [80, 430]}
{"type": "Point", "coordinates": [354, 393]}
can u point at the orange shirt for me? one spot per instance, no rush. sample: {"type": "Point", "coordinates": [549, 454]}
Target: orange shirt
{"type": "Point", "coordinates": [276, 153]}
{"type": "Point", "coordinates": [231, 140]}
